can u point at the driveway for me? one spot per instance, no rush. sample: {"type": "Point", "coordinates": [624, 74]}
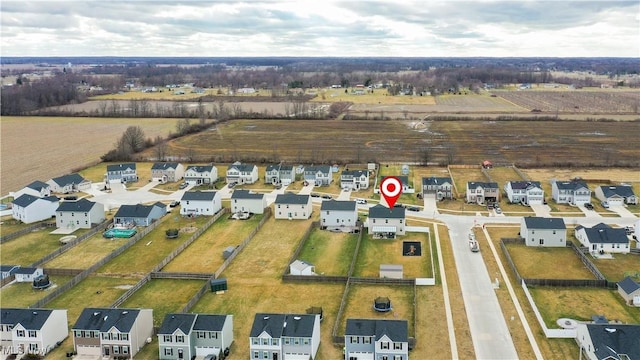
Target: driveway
{"type": "Point", "coordinates": [588, 213]}
{"type": "Point", "coordinates": [344, 195]}
{"type": "Point", "coordinates": [306, 190]}
{"type": "Point", "coordinates": [430, 206]}
{"type": "Point", "coordinates": [621, 210]}
{"type": "Point", "coordinates": [541, 210]}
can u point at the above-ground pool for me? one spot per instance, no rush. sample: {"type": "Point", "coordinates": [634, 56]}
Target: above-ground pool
{"type": "Point", "coordinates": [119, 233]}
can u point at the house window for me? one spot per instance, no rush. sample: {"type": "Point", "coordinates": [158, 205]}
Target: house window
{"type": "Point", "coordinates": [305, 341]}
{"type": "Point", "coordinates": [366, 340]}
{"type": "Point", "coordinates": [384, 345]}
{"type": "Point", "coordinates": [264, 341]}
{"type": "Point", "coordinates": [20, 333]}
{"type": "Point", "coordinates": [327, 212]}
{"type": "Point", "coordinates": [180, 338]}
{"type": "Point", "coordinates": [385, 357]}
{"type": "Point", "coordinates": [265, 354]}
{"type": "Point", "coordinates": [533, 232]}
{"type": "Point", "coordinates": [167, 338]}
{"type": "Point", "coordinates": [354, 340]}
{"type": "Point", "coordinates": [287, 341]}
{"type": "Point", "coordinates": [125, 349]}
{"type": "Point", "coordinates": [33, 348]}
{"type": "Point", "coordinates": [400, 221]}
{"type": "Point", "coordinates": [275, 342]}
{"type": "Point", "coordinates": [256, 354]}
{"type": "Point", "coordinates": [213, 335]}
{"type": "Point", "coordinates": [554, 232]}
{"type": "Point", "coordinates": [116, 349]}
{"type": "Point", "coordinates": [296, 341]}
{"type": "Point", "coordinates": [386, 221]}
{"type": "Point", "coordinates": [397, 357]}
{"type": "Point", "coordinates": [278, 206]}
{"type": "Point", "coordinates": [200, 335]}
{"type": "Point", "coordinates": [32, 333]}
{"type": "Point", "coordinates": [397, 346]}
{"type": "Point", "coordinates": [541, 241]}
{"type": "Point", "coordinates": [255, 341]}
{"type": "Point", "coordinates": [124, 337]}
{"type": "Point", "coordinates": [168, 351]}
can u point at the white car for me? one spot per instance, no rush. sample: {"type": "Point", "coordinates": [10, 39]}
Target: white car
{"type": "Point", "coordinates": [361, 201]}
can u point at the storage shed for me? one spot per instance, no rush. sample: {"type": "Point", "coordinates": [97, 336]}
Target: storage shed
{"type": "Point", "coordinates": [226, 253]}
{"type": "Point", "coordinates": [218, 285]}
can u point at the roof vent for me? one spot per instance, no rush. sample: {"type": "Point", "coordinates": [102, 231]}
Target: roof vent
{"type": "Point", "coordinates": [266, 318]}
{"type": "Point", "coordinates": [125, 312]}
{"type": "Point", "coordinates": [610, 330]}
{"type": "Point", "coordinates": [105, 318]}
{"type": "Point", "coordinates": [96, 313]}
{"type": "Point", "coordinates": [297, 318]}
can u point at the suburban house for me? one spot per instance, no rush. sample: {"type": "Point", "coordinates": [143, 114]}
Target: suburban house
{"type": "Point", "coordinates": [524, 192]}
{"type": "Point", "coordinates": [68, 184]}
{"type": "Point", "coordinates": [247, 201]}
{"type": "Point", "coordinates": [122, 172]}
{"type": "Point", "coordinates": [29, 209]}
{"type": "Point", "coordinates": [36, 331]}
{"type": "Point", "coordinates": [242, 173]}
{"type": "Point", "coordinates": [386, 222]}
{"type": "Point", "coordinates": [284, 336]}
{"type": "Point", "coordinates": [482, 192]}
{"type": "Point", "coordinates": [194, 203]}
{"type": "Point", "coordinates": [603, 238]}
{"type": "Point", "coordinates": [406, 186]}
{"type": "Point", "coordinates": [185, 336]}
{"type": "Point", "coordinates": [630, 291]}
{"type": "Point", "coordinates": [376, 339]}
{"type": "Point", "coordinates": [201, 174]}
{"type": "Point", "coordinates": [573, 192]}
{"type": "Point", "coordinates": [27, 274]}
{"type": "Point", "coordinates": [167, 172]}
{"type": "Point", "coordinates": [354, 180]}
{"type": "Point", "coordinates": [293, 206]}
{"type": "Point", "coordinates": [318, 175]}
{"type": "Point", "coordinates": [112, 333]}
{"type": "Point", "coordinates": [139, 215]}
{"type": "Point", "coordinates": [300, 267]}
{"type": "Point", "coordinates": [439, 187]}
{"type": "Point", "coordinates": [279, 174]}
{"type": "Point", "coordinates": [7, 270]}
{"type": "Point", "coordinates": [608, 341]}
{"type": "Point", "coordinates": [36, 188]}
{"type": "Point", "coordinates": [617, 195]}
{"type": "Point", "coordinates": [341, 215]}
{"type": "Point", "coordinates": [80, 214]}
{"type": "Point", "coordinates": [546, 232]}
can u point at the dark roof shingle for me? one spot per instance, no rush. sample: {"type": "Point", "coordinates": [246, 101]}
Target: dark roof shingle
{"type": "Point", "coordinates": [381, 211]}
{"type": "Point", "coordinates": [534, 222]}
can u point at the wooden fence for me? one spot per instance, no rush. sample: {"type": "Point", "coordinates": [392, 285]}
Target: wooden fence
{"type": "Point", "coordinates": [25, 231]}
{"type": "Point", "coordinates": [62, 272]}
{"type": "Point", "coordinates": [7, 280]}
{"type": "Point", "coordinates": [303, 240]}
{"type": "Point", "coordinates": [522, 175]}
{"type": "Point", "coordinates": [180, 275]}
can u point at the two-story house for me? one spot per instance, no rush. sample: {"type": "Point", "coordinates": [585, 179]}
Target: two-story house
{"type": "Point", "coordinates": [185, 336]}
{"type": "Point", "coordinates": [439, 187]}
{"type": "Point", "coordinates": [292, 206]}
{"type": "Point", "coordinates": [354, 180]}
{"type": "Point", "coordinates": [573, 192]}
{"type": "Point", "coordinates": [242, 173]}
{"type": "Point", "coordinates": [36, 188]}
{"type": "Point", "coordinates": [79, 214]}
{"type": "Point", "coordinates": [608, 341]}
{"type": "Point", "coordinates": [122, 172]}
{"type": "Point", "coordinates": [544, 232]}
{"type": "Point", "coordinates": [376, 339]}
{"type": "Point", "coordinates": [36, 331]}
{"type": "Point", "coordinates": [320, 175]}
{"type": "Point", "coordinates": [524, 192]}
{"type": "Point", "coordinates": [194, 203]}
{"type": "Point", "coordinates": [386, 222]}
{"type": "Point", "coordinates": [247, 201]}
{"type": "Point", "coordinates": [139, 215]}
{"type": "Point", "coordinates": [603, 238]}
{"type": "Point", "coordinates": [617, 195]}
{"type": "Point", "coordinates": [201, 174]}
{"type": "Point", "coordinates": [167, 172]}
{"type": "Point", "coordinates": [341, 215]}
{"type": "Point", "coordinates": [29, 209]}
{"type": "Point", "coordinates": [68, 184]}
{"type": "Point", "coordinates": [284, 336]}
{"type": "Point", "coordinates": [482, 192]}
{"type": "Point", "coordinates": [279, 174]}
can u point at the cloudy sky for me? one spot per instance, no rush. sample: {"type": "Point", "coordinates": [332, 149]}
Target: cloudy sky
{"type": "Point", "coordinates": [321, 28]}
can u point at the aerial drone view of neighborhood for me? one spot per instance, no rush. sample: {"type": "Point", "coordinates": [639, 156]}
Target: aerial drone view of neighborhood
{"type": "Point", "coordinates": [310, 207]}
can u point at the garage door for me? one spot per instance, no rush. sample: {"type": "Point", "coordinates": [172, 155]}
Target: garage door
{"type": "Point", "coordinates": [204, 351]}
{"type": "Point", "coordinates": [361, 355]}
{"type": "Point", "coordinates": [296, 356]}
{"type": "Point", "coordinates": [89, 350]}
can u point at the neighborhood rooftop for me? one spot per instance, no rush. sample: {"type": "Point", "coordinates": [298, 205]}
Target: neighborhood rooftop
{"type": "Point", "coordinates": [524, 184]}
{"type": "Point", "coordinates": [338, 205]}
{"type": "Point", "coordinates": [68, 179]}
{"type": "Point", "coordinates": [571, 184]}
{"type": "Point", "coordinates": [210, 322]}
{"type": "Point", "coordinates": [37, 185]}
{"type": "Point", "coordinates": [381, 211]}
{"type": "Point", "coordinates": [121, 167]}
{"type": "Point", "coordinates": [137, 211]}
{"type": "Point", "coordinates": [103, 319]}
{"type": "Point", "coordinates": [25, 200]}
{"type": "Point", "coordinates": [30, 319]}
{"type": "Point", "coordinates": [200, 168]}
{"type": "Point", "coordinates": [628, 285]}
{"type": "Point", "coordinates": [80, 205]}
{"type": "Point", "coordinates": [279, 325]}
{"type": "Point", "coordinates": [611, 340]}
{"type": "Point", "coordinates": [605, 234]}
{"type": "Point", "coordinates": [164, 166]}
{"type": "Point", "coordinates": [435, 180]}
{"type": "Point", "coordinates": [534, 222]}
{"type": "Point", "coordinates": [242, 167]}
{"type": "Point", "coordinates": [173, 322]}
{"type": "Point", "coordinates": [484, 185]}
{"type": "Point", "coordinates": [620, 190]}
{"type": "Point", "coordinates": [292, 199]}
{"type": "Point", "coordinates": [245, 194]}
{"type": "Point", "coordinates": [199, 195]}
{"type": "Point", "coordinates": [396, 330]}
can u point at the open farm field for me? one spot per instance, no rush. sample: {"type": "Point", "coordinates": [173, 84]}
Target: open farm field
{"type": "Point", "coordinates": [378, 96]}
{"type": "Point", "coordinates": [592, 102]}
{"type": "Point", "coordinates": [619, 175]}
{"type": "Point", "coordinates": [39, 148]}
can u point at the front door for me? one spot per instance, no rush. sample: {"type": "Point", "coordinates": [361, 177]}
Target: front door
{"type": "Point", "coordinates": [180, 354]}
{"type": "Point", "coordinates": [275, 356]}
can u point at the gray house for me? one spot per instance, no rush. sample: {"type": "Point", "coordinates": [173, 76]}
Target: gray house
{"type": "Point", "coordinates": [201, 174]}
{"type": "Point", "coordinates": [386, 222]}
{"type": "Point", "coordinates": [376, 339]}
{"type": "Point", "coordinates": [139, 215]}
{"type": "Point", "coordinates": [617, 195]}
{"type": "Point", "coordinates": [35, 331]}
{"type": "Point", "coordinates": [68, 183]}
{"type": "Point", "coordinates": [546, 232]}
{"type": "Point", "coordinates": [279, 174]}
{"type": "Point", "coordinates": [318, 175]}
{"type": "Point", "coordinates": [608, 341]}
{"type": "Point", "coordinates": [439, 187]}
{"type": "Point", "coordinates": [284, 336]}
{"type": "Point", "coordinates": [630, 291]}
{"type": "Point", "coordinates": [354, 179]}
{"type": "Point", "coordinates": [81, 214]}
{"type": "Point", "coordinates": [293, 206]}
{"type": "Point", "coordinates": [603, 238]}
{"type": "Point", "coordinates": [524, 192]}
{"type": "Point", "coordinates": [242, 173]}
{"type": "Point", "coordinates": [185, 336]}
{"type": "Point", "coordinates": [342, 215]}
{"type": "Point", "coordinates": [482, 192]}
{"type": "Point", "coordinates": [247, 201]}
{"type": "Point", "coordinates": [36, 188]}
{"type": "Point", "coordinates": [573, 192]}
{"type": "Point", "coordinates": [122, 172]}
{"type": "Point", "coordinates": [167, 171]}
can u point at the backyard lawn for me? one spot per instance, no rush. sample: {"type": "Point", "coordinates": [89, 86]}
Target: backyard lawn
{"type": "Point", "coordinates": [24, 295]}
{"type": "Point", "coordinates": [548, 262]}
{"type": "Point", "coordinates": [331, 253]}
{"type": "Point", "coordinates": [28, 248]}
{"type": "Point", "coordinates": [86, 253]}
{"type": "Point", "coordinates": [374, 252]}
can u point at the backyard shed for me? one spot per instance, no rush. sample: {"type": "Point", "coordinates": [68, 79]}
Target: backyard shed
{"type": "Point", "coordinates": [391, 271]}
{"type": "Point", "coordinates": [226, 253]}
{"type": "Point", "coordinates": [218, 285]}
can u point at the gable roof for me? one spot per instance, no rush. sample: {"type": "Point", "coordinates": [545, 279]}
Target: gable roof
{"type": "Point", "coordinates": [484, 185]}
{"type": "Point", "coordinates": [404, 179]}
{"type": "Point", "coordinates": [435, 180]}
{"type": "Point", "coordinates": [338, 205]}
{"type": "Point", "coordinates": [300, 265]}
{"type": "Point", "coordinates": [121, 167]}
{"type": "Point", "coordinates": [30, 319]}
{"type": "Point", "coordinates": [605, 234]}
{"type": "Point", "coordinates": [610, 341]}
{"type": "Point", "coordinates": [200, 168]}
{"type": "Point", "coordinates": [272, 167]}
{"type": "Point", "coordinates": [25, 200]}
{"type": "Point", "coordinates": [355, 173]}
{"type": "Point", "coordinates": [292, 199]}
{"type": "Point", "coordinates": [241, 167]}
{"type": "Point", "coordinates": [210, 322]}
{"type": "Point", "coordinates": [571, 185]}
{"type": "Point", "coordinates": [521, 185]}
{"type": "Point", "coordinates": [25, 270]}
{"type": "Point", "coordinates": [8, 268]}
{"type": "Point", "coordinates": [246, 194]}
{"type": "Point", "coordinates": [534, 222]}
{"type": "Point", "coordinates": [173, 322]}
{"type": "Point", "coordinates": [325, 169]}
{"type": "Point", "coordinates": [269, 323]}
{"type": "Point", "coordinates": [628, 285]}
{"type": "Point", "coordinates": [278, 325]}
{"type": "Point", "coordinates": [38, 185]}
{"type": "Point", "coordinates": [136, 211]}
{"type": "Point", "coordinates": [164, 166]}
{"type": "Point", "coordinates": [396, 330]}
{"type": "Point", "coordinates": [103, 319]}
{"type": "Point", "coordinates": [381, 211]}
{"type": "Point", "coordinates": [69, 179]}
{"type": "Point", "coordinates": [81, 205]}
{"type": "Point", "coordinates": [620, 190]}
{"type": "Point", "coordinates": [199, 195]}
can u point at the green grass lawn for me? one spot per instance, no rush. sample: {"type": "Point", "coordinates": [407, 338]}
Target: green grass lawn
{"type": "Point", "coordinates": [620, 266]}
{"type": "Point", "coordinates": [330, 252]}
{"type": "Point", "coordinates": [543, 262]}
{"type": "Point", "coordinates": [87, 253]}
{"type": "Point", "coordinates": [24, 295]}
{"type": "Point", "coordinates": [11, 225]}
{"type": "Point", "coordinates": [31, 247]}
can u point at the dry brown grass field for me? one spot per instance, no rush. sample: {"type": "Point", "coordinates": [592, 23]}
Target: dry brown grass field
{"type": "Point", "coordinates": [360, 304]}
{"type": "Point", "coordinates": [592, 102]}
{"type": "Point", "coordinates": [24, 295]}
{"type": "Point", "coordinates": [331, 253]}
{"type": "Point", "coordinates": [30, 247]}
{"type": "Point", "coordinates": [86, 253]}
{"type": "Point", "coordinates": [541, 263]}
{"type": "Point", "coordinates": [375, 252]}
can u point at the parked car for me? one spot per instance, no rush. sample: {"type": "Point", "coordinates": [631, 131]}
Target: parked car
{"type": "Point", "coordinates": [325, 196]}
{"type": "Point", "coordinates": [498, 210]}
{"type": "Point", "coordinates": [315, 195]}
{"type": "Point", "coordinates": [605, 204]}
{"type": "Point", "coordinates": [71, 198]}
{"type": "Point", "coordinates": [183, 185]}
{"type": "Point", "coordinates": [232, 184]}
{"type": "Point", "coordinates": [588, 206]}
{"type": "Point", "coordinates": [174, 203]}
{"type": "Point", "coordinates": [413, 208]}
{"type": "Point", "coordinates": [361, 201]}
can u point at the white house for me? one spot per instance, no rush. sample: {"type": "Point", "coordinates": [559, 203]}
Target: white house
{"type": "Point", "coordinates": [27, 274]}
{"type": "Point", "coordinates": [603, 238]}
{"type": "Point", "coordinates": [30, 209]}
{"type": "Point", "coordinates": [247, 201]}
{"type": "Point", "coordinates": [201, 174]}
{"type": "Point", "coordinates": [200, 203]}
{"type": "Point", "coordinates": [482, 192]}
{"type": "Point", "coordinates": [386, 222]}
{"type": "Point", "coordinates": [7, 270]}
{"type": "Point", "coordinates": [616, 195]}
{"type": "Point", "coordinates": [300, 267]}
{"type": "Point", "coordinates": [188, 336]}
{"type": "Point", "coordinates": [284, 336]}
{"type": "Point", "coordinates": [376, 339]}
{"type": "Point", "coordinates": [630, 291]}
{"type": "Point", "coordinates": [68, 184]}
{"type": "Point", "coordinates": [80, 214]}
{"type": "Point", "coordinates": [167, 171]}
{"type": "Point", "coordinates": [573, 192]}
{"type": "Point", "coordinates": [545, 232]}
{"type": "Point", "coordinates": [438, 187]}
{"type": "Point", "coordinates": [524, 192]}
{"type": "Point", "coordinates": [124, 173]}
{"type": "Point", "coordinates": [608, 341]}
{"type": "Point", "coordinates": [36, 188]}
{"type": "Point", "coordinates": [354, 179]}
{"type": "Point", "coordinates": [34, 330]}
{"type": "Point", "coordinates": [338, 215]}
{"type": "Point", "coordinates": [242, 173]}
{"type": "Point", "coordinates": [292, 206]}
{"type": "Point", "coordinates": [318, 175]}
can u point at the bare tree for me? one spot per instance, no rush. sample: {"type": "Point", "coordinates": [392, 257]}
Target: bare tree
{"type": "Point", "coordinates": [133, 139]}
{"type": "Point", "coordinates": [161, 148]}
{"type": "Point", "coordinates": [191, 154]}
{"type": "Point", "coordinates": [183, 126]}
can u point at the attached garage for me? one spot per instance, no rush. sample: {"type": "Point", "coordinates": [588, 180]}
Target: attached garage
{"type": "Point", "coordinates": [361, 355]}
{"type": "Point", "coordinates": [90, 351]}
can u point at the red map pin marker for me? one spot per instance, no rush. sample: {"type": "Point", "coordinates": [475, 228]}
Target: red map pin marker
{"type": "Point", "coordinates": [391, 189]}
